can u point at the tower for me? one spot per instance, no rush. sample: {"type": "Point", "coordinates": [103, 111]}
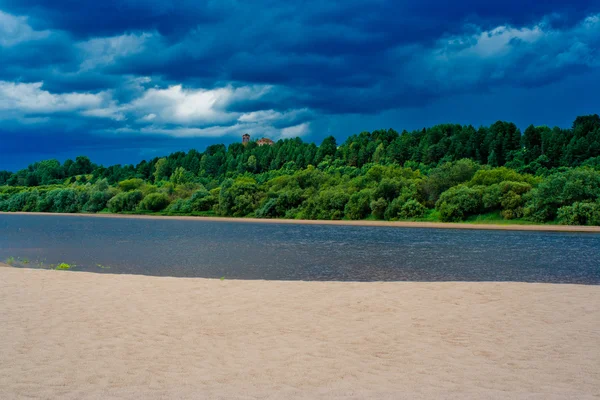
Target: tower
{"type": "Point", "coordinates": [245, 139]}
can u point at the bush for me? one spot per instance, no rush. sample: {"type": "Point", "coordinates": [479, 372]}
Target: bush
{"type": "Point", "coordinates": [446, 176]}
{"type": "Point", "coordinates": [180, 206]}
{"type": "Point", "coordinates": [62, 200]}
{"type": "Point", "coordinates": [580, 214]}
{"type": "Point", "coordinates": [488, 177]}
{"type": "Point", "coordinates": [131, 184]}
{"type": "Point", "coordinates": [358, 205]}
{"type": "Point", "coordinates": [127, 201]}
{"type": "Point", "coordinates": [24, 201]}
{"type": "Point", "coordinates": [239, 198]}
{"type": "Point", "coordinates": [202, 200]}
{"type": "Point", "coordinates": [327, 204]}
{"type": "Point", "coordinates": [154, 202]}
{"type": "Point", "coordinates": [412, 209]}
{"type": "Point", "coordinates": [378, 208]}
{"type": "Point", "coordinates": [98, 201]}
{"type": "Point", "coordinates": [457, 203]}
{"type": "Point", "coordinates": [562, 189]}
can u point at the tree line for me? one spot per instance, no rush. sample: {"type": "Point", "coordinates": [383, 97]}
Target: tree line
{"type": "Point", "coordinates": [446, 172]}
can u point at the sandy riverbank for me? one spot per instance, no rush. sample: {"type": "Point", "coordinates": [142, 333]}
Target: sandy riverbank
{"type": "Point", "coordinates": [398, 224]}
{"type": "Point", "coordinates": [79, 335]}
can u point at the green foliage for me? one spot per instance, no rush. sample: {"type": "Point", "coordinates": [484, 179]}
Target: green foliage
{"type": "Point", "coordinates": [62, 201]}
{"type": "Point", "coordinates": [544, 175]}
{"type": "Point", "coordinates": [359, 205]}
{"type": "Point", "coordinates": [562, 189]}
{"type": "Point", "coordinates": [327, 204]}
{"type": "Point", "coordinates": [447, 175]}
{"type": "Point", "coordinates": [487, 177]}
{"type": "Point", "coordinates": [24, 201]}
{"type": "Point", "coordinates": [378, 208]}
{"type": "Point", "coordinates": [580, 213]}
{"type": "Point", "coordinates": [154, 202]}
{"type": "Point", "coordinates": [459, 202]}
{"type": "Point", "coordinates": [412, 209]}
{"type": "Point", "coordinates": [179, 206]}
{"type": "Point", "coordinates": [131, 184]}
{"type": "Point", "coordinates": [181, 176]}
{"type": "Point", "coordinates": [127, 201]}
{"type": "Point", "coordinates": [202, 200]}
{"type": "Point", "coordinates": [161, 169]}
{"type": "Point", "coordinates": [64, 266]}
{"type": "Point", "coordinates": [238, 198]}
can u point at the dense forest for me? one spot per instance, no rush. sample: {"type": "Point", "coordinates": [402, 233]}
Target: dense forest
{"type": "Point", "coordinates": [443, 173]}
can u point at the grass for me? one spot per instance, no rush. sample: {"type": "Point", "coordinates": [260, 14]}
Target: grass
{"type": "Point", "coordinates": [496, 218]}
{"type": "Point", "coordinates": [102, 266]}
{"type": "Point", "coordinates": [10, 260]}
{"type": "Point", "coordinates": [64, 266]}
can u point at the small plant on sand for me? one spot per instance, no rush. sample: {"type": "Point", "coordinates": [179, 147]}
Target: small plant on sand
{"type": "Point", "coordinates": [102, 266]}
{"type": "Point", "coordinates": [25, 261]}
{"type": "Point", "coordinates": [222, 278]}
{"type": "Point", "coordinates": [10, 260]}
{"type": "Point", "coordinates": [64, 266]}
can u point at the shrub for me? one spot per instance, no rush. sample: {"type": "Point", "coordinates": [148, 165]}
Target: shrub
{"type": "Point", "coordinates": [562, 189]}
{"type": "Point", "coordinates": [358, 205]}
{"type": "Point", "coordinates": [488, 177]}
{"type": "Point", "coordinates": [378, 208]}
{"type": "Point", "coordinates": [127, 201]}
{"type": "Point", "coordinates": [580, 214]}
{"type": "Point", "coordinates": [239, 198]}
{"type": "Point", "coordinates": [180, 206]}
{"type": "Point", "coordinates": [98, 201]}
{"type": "Point", "coordinates": [457, 203]}
{"type": "Point", "coordinates": [24, 201]}
{"type": "Point", "coordinates": [154, 202]}
{"type": "Point", "coordinates": [412, 209]}
{"type": "Point", "coordinates": [131, 184]}
{"type": "Point", "coordinates": [327, 204]}
{"type": "Point", "coordinates": [62, 200]}
{"type": "Point", "coordinates": [202, 200]}
{"type": "Point", "coordinates": [446, 176]}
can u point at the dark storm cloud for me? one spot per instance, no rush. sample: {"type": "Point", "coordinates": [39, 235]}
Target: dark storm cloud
{"type": "Point", "coordinates": [90, 71]}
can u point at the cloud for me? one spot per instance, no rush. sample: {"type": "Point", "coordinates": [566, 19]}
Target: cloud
{"type": "Point", "coordinates": [209, 69]}
{"type": "Point", "coordinates": [295, 131]}
{"type": "Point", "coordinates": [107, 50]}
{"type": "Point", "coordinates": [15, 30]}
{"type": "Point", "coordinates": [177, 105]}
{"type": "Point", "coordinates": [31, 98]}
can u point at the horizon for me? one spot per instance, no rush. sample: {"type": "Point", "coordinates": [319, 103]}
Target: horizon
{"type": "Point", "coordinates": [126, 81]}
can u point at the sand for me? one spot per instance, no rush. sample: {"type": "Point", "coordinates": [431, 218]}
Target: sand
{"type": "Point", "coordinates": [392, 224]}
{"type": "Point", "coordinates": [78, 335]}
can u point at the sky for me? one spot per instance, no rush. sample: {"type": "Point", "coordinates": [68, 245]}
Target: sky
{"type": "Point", "coordinates": [126, 80]}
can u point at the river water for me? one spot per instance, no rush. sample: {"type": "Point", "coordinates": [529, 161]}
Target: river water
{"type": "Point", "coordinates": [236, 250]}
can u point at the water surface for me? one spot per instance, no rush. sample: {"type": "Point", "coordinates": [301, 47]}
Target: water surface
{"type": "Point", "coordinates": [234, 250]}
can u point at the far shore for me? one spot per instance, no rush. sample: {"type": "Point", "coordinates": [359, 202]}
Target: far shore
{"type": "Point", "coordinates": [389, 224]}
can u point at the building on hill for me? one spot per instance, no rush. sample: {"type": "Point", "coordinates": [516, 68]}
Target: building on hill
{"type": "Point", "coordinates": [245, 139]}
{"type": "Point", "coordinates": [263, 141]}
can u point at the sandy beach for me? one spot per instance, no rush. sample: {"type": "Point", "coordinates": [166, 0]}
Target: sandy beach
{"type": "Point", "coordinates": [78, 335]}
{"type": "Point", "coordinates": [396, 224]}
